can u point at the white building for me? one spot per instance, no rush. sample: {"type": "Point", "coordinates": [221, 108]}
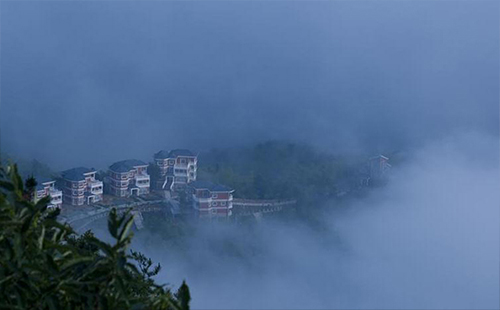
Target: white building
{"type": "Point", "coordinates": [378, 166]}
{"type": "Point", "coordinates": [128, 178]}
{"type": "Point", "coordinates": [210, 199]}
{"type": "Point", "coordinates": [81, 186]}
{"type": "Point", "coordinates": [177, 169]}
{"type": "Point", "coordinates": [46, 188]}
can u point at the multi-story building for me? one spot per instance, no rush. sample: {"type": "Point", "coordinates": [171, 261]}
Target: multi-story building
{"type": "Point", "coordinates": [128, 178]}
{"type": "Point", "coordinates": [378, 166]}
{"type": "Point", "coordinates": [81, 186]}
{"type": "Point", "coordinates": [211, 200]}
{"type": "Point", "coordinates": [47, 188]}
{"type": "Point", "coordinates": [177, 168]}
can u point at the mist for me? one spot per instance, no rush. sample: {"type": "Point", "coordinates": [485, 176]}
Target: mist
{"type": "Point", "coordinates": [92, 82]}
{"type": "Point", "coordinates": [428, 240]}
{"type": "Point", "coordinates": [88, 83]}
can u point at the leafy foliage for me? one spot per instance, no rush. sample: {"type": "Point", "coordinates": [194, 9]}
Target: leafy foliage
{"type": "Point", "coordinates": [45, 265]}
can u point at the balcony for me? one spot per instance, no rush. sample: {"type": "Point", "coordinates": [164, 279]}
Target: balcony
{"type": "Point", "coordinates": [96, 187]}
{"type": "Point", "coordinates": [95, 183]}
{"type": "Point", "coordinates": [76, 193]}
{"type": "Point", "coordinates": [80, 185]}
{"type": "Point", "coordinates": [182, 165]}
{"type": "Point", "coordinates": [142, 183]}
{"type": "Point", "coordinates": [55, 192]}
{"type": "Point", "coordinates": [96, 190]}
{"type": "Point", "coordinates": [56, 199]}
{"type": "Point", "coordinates": [55, 195]}
{"type": "Point", "coordinates": [142, 180]}
{"type": "Point", "coordinates": [142, 177]}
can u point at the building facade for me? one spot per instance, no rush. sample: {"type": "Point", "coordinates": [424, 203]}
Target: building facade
{"type": "Point", "coordinates": [378, 166]}
{"type": "Point", "coordinates": [128, 178]}
{"type": "Point", "coordinates": [211, 200]}
{"type": "Point", "coordinates": [177, 169]}
{"type": "Point", "coordinates": [81, 187]}
{"type": "Point", "coordinates": [47, 188]}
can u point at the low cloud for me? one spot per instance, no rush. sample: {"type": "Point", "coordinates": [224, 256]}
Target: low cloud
{"type": "Point", "coordinates": [429, 239]}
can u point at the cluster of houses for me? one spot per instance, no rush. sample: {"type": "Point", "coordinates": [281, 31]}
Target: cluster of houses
{"type": "Point", "coordinates": [173, 171]}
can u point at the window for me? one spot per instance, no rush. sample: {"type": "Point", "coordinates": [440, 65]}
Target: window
{"type": "Point", "coordinates": [214, 195]}
{"type": "Point", "coordinates": [223, 203]}
{"type": "Point", "coordinates": [214, 204]}
{"type": "Point", "coordinates": [214, 211]}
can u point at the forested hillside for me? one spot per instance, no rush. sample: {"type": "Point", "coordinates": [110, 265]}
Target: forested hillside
{"type": "Point", "coordinates": [28, 167]}
{"type": "Point", "coordinates": [279, 170]}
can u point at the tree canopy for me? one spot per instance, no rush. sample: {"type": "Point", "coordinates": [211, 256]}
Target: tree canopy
{"type": "Point", "coordinates": [44, 264]}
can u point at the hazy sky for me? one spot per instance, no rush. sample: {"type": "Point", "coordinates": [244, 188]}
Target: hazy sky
{"type": "Point", "coordinates": [89, 83]}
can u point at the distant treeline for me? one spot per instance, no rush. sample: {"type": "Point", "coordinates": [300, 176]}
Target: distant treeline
{"type": "Point", "coordinates": [278, 170]}
{"type": "Point", "coordinates": [28, 167]}
{"type": "Point", "coordinates": [269, 170]}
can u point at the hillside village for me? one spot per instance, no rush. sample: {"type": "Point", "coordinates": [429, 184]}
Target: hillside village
{"type": "Point", "coordinates": [172, 176]}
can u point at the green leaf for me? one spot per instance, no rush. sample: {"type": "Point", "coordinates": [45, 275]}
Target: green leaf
{"type": "Point", "coordinates": [76, 261]}
{"type": "Point", "coordinates": [41, 238]}
{"type": "Point", "coordinates": [125, 230]}
{"type": "Point", "coordinates": [113, 224]}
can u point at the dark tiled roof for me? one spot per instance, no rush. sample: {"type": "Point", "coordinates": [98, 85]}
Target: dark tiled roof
{"type": "Point", "coordinates": [161, 154]}
{"type": "Point", "coordinates": [174, 153]}
{"type": "Point", "coordinates": [40, 180]}
{"type": "Point", "coordinates": [76, 174]}
{"type": "Point", "coordinates": [126, 165]}
{"type": "Point", "coordinates": [210, 186]}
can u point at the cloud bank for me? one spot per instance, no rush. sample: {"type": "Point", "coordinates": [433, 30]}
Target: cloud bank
{"type": "Point", "coordinates": [429, 240]}
{"type": "Point", "coordinates": [90, 83]}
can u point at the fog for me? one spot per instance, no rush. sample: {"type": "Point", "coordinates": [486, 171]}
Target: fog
{"type": "Point", "coordinates": [93, 82]}
{"type": "Point", "coordinates": [88, 83]}
{"type": "Point", "coordinates": [428, 240]}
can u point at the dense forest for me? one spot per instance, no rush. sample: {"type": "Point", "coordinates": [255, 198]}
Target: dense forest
{"type": "Point", "coordinates": [277, 170]}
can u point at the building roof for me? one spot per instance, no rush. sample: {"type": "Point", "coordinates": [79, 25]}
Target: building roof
{"type": "Point", "coordinates": [210, 186]}
{"type": "Point", "coordinates": [126, 165]}
{"type": "Point", "coordinates": [76, 174]}
{"type": "Point", "coordinates": [40, 180]}
{"type": "Point", "coordinates": [379, 157]}
{"type": "Point", "coordinates": [174, 153]}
